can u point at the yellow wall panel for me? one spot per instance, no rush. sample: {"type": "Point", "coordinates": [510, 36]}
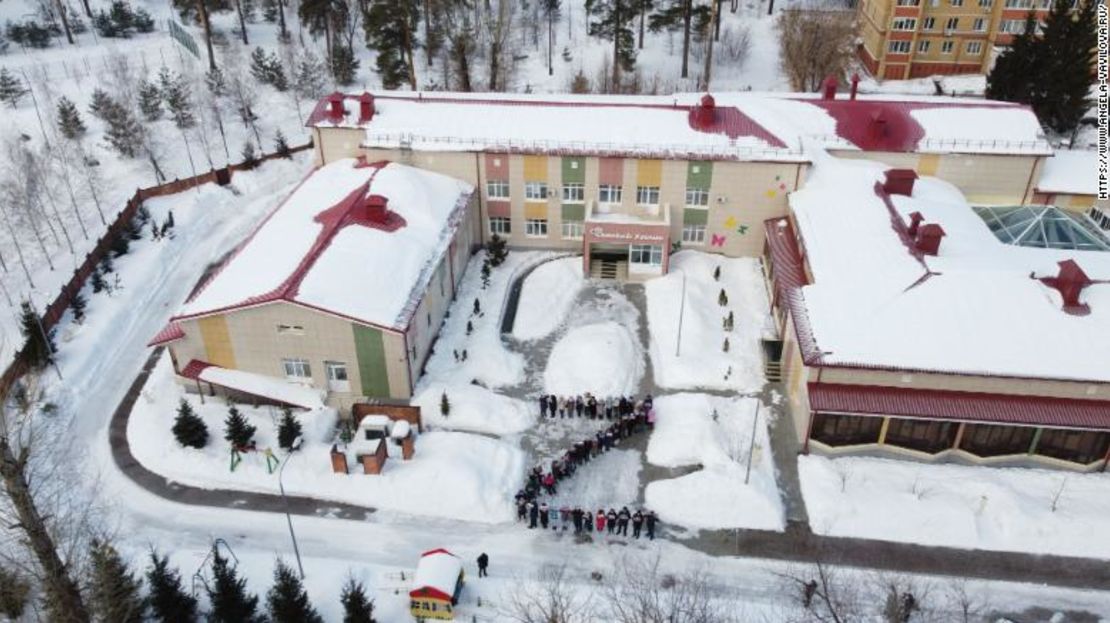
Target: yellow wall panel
{"type": "Point", "coordinates": [1081, 202]}
{"type": "Point", "coordinates": [217, 341]}
{"type": "Point", "coordinates": [927, 164]}
{"type": "Point", "coordinates": [649, 173]}
{"type": "Point", "coordinates": [535, 168]}
{"type": "Point", "coordinates": [535, 210]}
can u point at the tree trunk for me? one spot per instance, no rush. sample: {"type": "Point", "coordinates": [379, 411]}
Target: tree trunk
{"type": "Point", "coordinates": [464, 68]}
{"type": "Point", "coordinates": [242, 20]}
{"type": "Point", "coordinates": [550, 43]}
{"type": "Point", "coordinates": [203, 11]}
{"type": "Point", "coordinates": [408, 50]}
{"type": "Point", "coordinates": [60, 589]}
{"type": "Point", "coordinates": [427, 32]}
{"type": "Point", "coordinates": [717, 19]}
{"type": "Point", "coordinates": [327, 42]}
{"type": "Point", "coordinates": [281, 19]}
{"type": "Point", "coordinates": [494, 64]}
{"type": "Point", "coordinates": [65, 20]}
{"type": "Point", "coordinates": [709, 45]}
{"type": "Point", "coordinates": [643, 15]}
{"type": "Point", "coordinates": [687, 18]}
{"type": "Point", "coordinates": [616, 46]}
{"type": "Point", "coordinates": [88, 9]}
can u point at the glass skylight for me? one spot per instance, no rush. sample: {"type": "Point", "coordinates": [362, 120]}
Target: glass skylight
{"type": "Point", "coordinates": [1044, 227]}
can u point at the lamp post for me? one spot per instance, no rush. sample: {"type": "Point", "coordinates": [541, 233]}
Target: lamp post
{"type": "Point", "coordinates": [288, 519]}
{"type": "Point", "coordinates": [681, 313]}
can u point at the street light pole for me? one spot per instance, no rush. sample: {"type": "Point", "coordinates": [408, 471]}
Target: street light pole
{"type": "Point", "coordinates": [751, 447]}
{"type": "Point", "coordinates": [288, 519]}
{"type": "Point", "coordinates": [681, 313]}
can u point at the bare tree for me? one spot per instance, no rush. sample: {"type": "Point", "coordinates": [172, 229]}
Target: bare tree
{"type": "Point", "coordinates": [548, 598]}
{"type": "Point", "coordinates": [640, 592]}
{"type": "Point", "coordinates": [826, 596]}
{"type": "Point", "coordinates": [814, 44]}
{"type": "Point", "coordinates": [498, 26]}
{"type": "Point", "coordinates": [968, 607]}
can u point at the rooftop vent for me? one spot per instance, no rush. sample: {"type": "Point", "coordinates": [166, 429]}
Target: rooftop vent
{"type": "Point", "coordinates": [365, 107]}
{"type": "Point", "coordinates": [1069, 282]}
{"type": "Point", "coordinates": [373, 211]}
{"type": "Point", "coordinates": [855, 86]}
{"type": "Point", "coordinates": [916, 219]}
{"type": "Point", "coordinates": [335, 106]}
{"type": "Point", "coordinates": [899, 182]}
{"type": "Point", "coordinates": [704, 114]}
{"type": "Point", "coordinates": [928, 238]}
{"type": "Point", "coordinates": [828, 88]}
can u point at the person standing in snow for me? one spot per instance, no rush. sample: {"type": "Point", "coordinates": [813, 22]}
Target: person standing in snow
{"type": "Point", "coordinates": [533, 514]}
{"type": "Point", "coordinates": [637, 523]}
{"type": "Point", "coordinates": [544, 517]}
{"type": "Point", "coordinates": [564, 517]}
{"type": "Point", "coordinates": [650, 520]}
{"type": "Point", "coordinates": [599, 520]}
{"type": "Point", "coordinates": [622, 521]}
{"type": "Point", "coordinates": [577, 516]}
{"type": "Point", "coordinates": [579, 405]}
{"type": "Point", "coordinates": [521, 510]}
{"type": "Point", "coordinates": [554, 512]}
{"type": "Point", "coordinates": [543, 406]}
{"type": "Point", "coordinates": [611, 520]}
{"type": "Point", "coordinates": [483, 563]}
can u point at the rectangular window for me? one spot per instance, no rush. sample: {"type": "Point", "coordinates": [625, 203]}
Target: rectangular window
{"type": "Point", "coordinates": [899, 47]}
{"type": "Point", "coordinates": [1099, 218]}
{"type": "Point", "coordinates": [497, 189]}
{"type": "Point", "coordinates": [979, 25]}
{"type": "Point", "coordinates": [985, 4]}
{"type": "Point", "coordinates": [908, 2]}
{"type": "Point", "coordinates": [929, 23]}
{"type": "Point", "coordinates": [1012, 26]}
{"type": "Point", "coordinates": [290, 329]}
{"type": "Point", "coordinates": [535, 191]}
{"type": "Point", "coordinates": [974, 48]}
{"type": "Point", "coordinates": [336, 372]}
{"type": "Point", "coordinates": [645, 254]}
{"type": "Point", "coordinates": [296, 368]}
{"type": "Point", "coordinates": [647, 195]}
{"type": "Point", "coordinates": [608, 193]}
{"type": "Point", "coordinates": [922, 435]}
{"type": "Point", "coordinates": [535, 227]}
{"type": "Point", "coordinates": [693, 234]}
{"type": "Point", "coordinates": [904, 23]}
{"type": "Point", "coordinates": [923, 46]}
{"type": "Point", "coordinates": [572, 230]}
{"type": "Point", "coordinates": [952, 24]}
{"type": "Point", "coordinates": [845, 430]}
{"type": "Point", "coordinates": [1019, 4]}
{"type": "Point", "coordinates": [996, 440]}
{"type": "Point", "coordinates": [957, 2]}
{"type": "Point", "coordinates": [697, 196]}
{"type": "Point", "coordinates": [946, 47]}
{"type": "Point", "coordinates": [574, 192]}
{"type": "Point", "coordinates": [500, 225]}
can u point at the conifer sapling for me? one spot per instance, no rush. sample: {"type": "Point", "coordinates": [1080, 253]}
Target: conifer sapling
{"type": "Point", "coordinates": [169, 602]}
{"type": "Point", "coordinates": [287, 599]}
{"type": "Point", "coordinates": [237, 431]}
{"type": "Point", "coordinates": [188, 428]}
{"type": "Point", "coordinates": [289, 429]}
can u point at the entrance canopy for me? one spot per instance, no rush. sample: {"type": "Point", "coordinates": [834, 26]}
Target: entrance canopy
{"type": "Point", "coordinates": [260, 385]}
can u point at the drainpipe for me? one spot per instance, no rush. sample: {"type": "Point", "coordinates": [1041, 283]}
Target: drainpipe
{"type": "Point", "coordinates": [1029, 184]}
{"type": "Point", "coordinates": [408, 358]}
{"type": "Point", "coordinates": [482, 231]}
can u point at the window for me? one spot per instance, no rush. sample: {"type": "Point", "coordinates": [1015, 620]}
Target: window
{"type": "Point", "coordinates": [957, 2]}
{"type": "Point", "coordinates": [497, 189]}
{"type": "Point", "coordinates": [953, 23]}
{"type": "Point", "coordinates": [929, 23]}
{"type": "Point", "coordinates": [296, 368]}
{"type": "Point", "coordinates": [645, 254]}
{"type": "Point", "coordinates": [908, 2]}
{"type": "Point", "coordinates": [697, 196]}
{"type": "Point", "coordinates": [536, 227]}
{"type": "Point", "coordinates": [572, 230]}
{"type": "Point", "coordinates": [336, 372]}
{"type": "Point", "coordinates": [923, 46]}
{"type": "Point", "coordinates": [500, 225]}
{"type": "Point", "coordinates": [608, 193]}
{"type": "Point", "coordinates": [647, 195]}
{"type": "Point", "coordinates": [535, 191]}
{"type": "Point", "coordinates": [904, 23]}
{"type": "Point", "coordinates": [693, 234]}
{"type": "Point", "coordinates": [1079, 446]}
{"type": "Point", "coordinates": [845, 430]}
{"type": "Point", "coordinates": [922, 435]}
{"type": "Point", "coordinates": [992, 440]}
{"type": "Point", "coordinates": [899, 47]}
{"type": "Point", "coordinates": [574, 192]}
{"type": "Point", "coordinates": [946, 47]}
{"type": "Point", "coordinates": [290, 329]}
{"type": "Point", "coordinates": [1019, 4]}
{"type": "Point", "coordinates": [1100, 218]}
{"type": "Point", "coordinates": [979, 25]}
{"type": "Point", "coordinates": [974, 48]}
{"type": "Point", "coordinates": [1012, 26]}
{"type": "Point", "coordinates": [985, 4]}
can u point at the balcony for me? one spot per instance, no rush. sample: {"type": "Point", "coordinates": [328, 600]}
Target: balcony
{"type": "Point", "coordinates": [657, 214]}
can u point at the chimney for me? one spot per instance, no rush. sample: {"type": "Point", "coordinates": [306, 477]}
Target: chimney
{"type": "Point", "coordinates": [703, 115]}
{"type": "Point", "coordinates": [855, 86]}
{"type": "Point", "coordinates": [365, 107]}
{"type": "Point", "coordinates": [335, 106]}
{"type": "Point", "coordinates": [899, 182]}
{"type": "Point", "coordinates": [1070, 282]}
{"type": "Point", "coordinates": [876, 127]}
{"type": "Point", "coordinates": [928, 238]}
{"type": "Point", "coordinates": [375, 208]}
{"type": "Point", "coordinates": [915, 222]}
{"type": "Point", "coordinates": [829, 88]}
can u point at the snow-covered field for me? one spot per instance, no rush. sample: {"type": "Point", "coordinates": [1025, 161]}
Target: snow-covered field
{"type": "Point", "coordinates": [1006, 509]}
{"type": "Point", "coordinates": [700, 361]}
{"type": "Point", "coordinates": [714, 434]}
{"type": "Point", "coordinates": [547, 296]}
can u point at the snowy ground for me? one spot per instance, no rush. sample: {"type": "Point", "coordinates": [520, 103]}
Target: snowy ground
{"type": "Point", "coordinates": [1006, 509]}
{"type": "Point", "coordinates": [714, 434]}
{"type": "Point", "coordinates": [602, 359]}
{"type": "Point", "coordinates": [547, 296]}
{"type": "Point", "coordinates": [700, 361]}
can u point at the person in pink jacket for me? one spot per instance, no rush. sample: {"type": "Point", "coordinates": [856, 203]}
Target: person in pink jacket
{"type": "Point", "coordinates": [600, 521]}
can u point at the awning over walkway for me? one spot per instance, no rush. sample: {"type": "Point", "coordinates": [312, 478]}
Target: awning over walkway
{"type": "Point", "coordinates": [961, 406]}
{"type": "Point", "coordinates": [260, 385]}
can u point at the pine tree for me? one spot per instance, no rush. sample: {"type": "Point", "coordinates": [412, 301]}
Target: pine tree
{"type": "Point", "coordinates": [497, 250]}
{"type": "Point", "coordinates": [722, 298]}
{"type": "Point", "coordinates": [725, 346]}
{"type": "Point", "coordinates": [389, 26]}
{"type": "Point", "coordinates": [309, 77]}
{"type": "Point", "coordinates": [169, 602]}
{"type": "Point", "coordinates": [260, 66]}
{"type": "Point", "coordinates": [100, 104]}
{"type": "Point", "coordinates": [98, 283]}
{"type": "Point", "coordinates": [281, 146]}
{"type": "Point", "coordinates": [228, 597]}
{"type": "Point", "coordinates": [356, 607]}
{"type": "Point", "coordinates": [250, 159]}
{"type": "Point", "coordinates": [216, 82]}
{"type": "Point", "coordinates": [78, 304]}
{"type": "Point", "coordinates": [106, 265]}
{"type": "Point", "coordinates": [344, 64]}
{"type": "Point", "coordinates": [685, 16]}
{"type": "Point", "coordinates": [150, 100]}
{"type": "Point", "coordinates": [124, 133]}
{"type": "Point", "coordinates": [289, 429]}
{"type": "Point", "coordinates": [1067, 48]}
{"type": "Point", "coordinates": [237, 431]}
{"type": "Point", "coordinates": [175, 93]}
{"type": "Point", "coordinates": [444, 405]}
{"type": "Point", "coordinates": [38, 343]}
{"type": "Point", "coordinates": [115, 593]}
{"type": "Point", "coordinates": [121, 244]}
{"type": "Point", "coordinates": [469, 327]}
{"type": "Point", "coordinates": [287, 599]}
{"type": "Point", "coordinates": [69, 119]}
{"type": "Point", "coordinates": [613, 19]}
{"type": "Point", "coordinates": [188, 428]}
{"type": "Point", "coordinates": [132, 229]}
{"type": "Point", "coordinates": [11, 88]}
{"type": "Point", "coordinates": [1015, 71]}
{"type": "Point", "coordinates": [717, 274]}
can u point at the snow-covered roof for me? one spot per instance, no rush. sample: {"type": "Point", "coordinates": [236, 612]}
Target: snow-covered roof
{"type": "Point", "coordinates": [279, 390]}
{"type": "Point", "coordinates": [1070, 172]}
{"type": "Point", "coordinates": [974, 308]}
{"type": "Point", "coordinates": [323, 247]}
{"type": "Point", "coordinates": [437, 572]}
{"type": "Point", "coordinates": [744, 126]}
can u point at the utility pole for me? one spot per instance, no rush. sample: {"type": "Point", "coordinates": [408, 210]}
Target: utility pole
{"type": "Point", "coordinates": [751, 447]}
{"type": "Point", "coordinates": [681, 313]}
{"type": "Point", "coordinates": [288, 519]}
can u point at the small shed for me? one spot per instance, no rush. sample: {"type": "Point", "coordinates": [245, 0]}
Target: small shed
{"type": "Point", "coordinates": [436, 585]}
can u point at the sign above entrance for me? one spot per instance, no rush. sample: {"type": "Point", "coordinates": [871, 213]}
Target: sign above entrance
{"type": "Point", "coordinates": [625, 235]}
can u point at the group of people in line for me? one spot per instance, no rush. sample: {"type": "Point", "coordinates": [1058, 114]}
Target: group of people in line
{"type": "Point", "coordinates": [540, 515]}
{"type": "Point", "coordinates": [587, 405]}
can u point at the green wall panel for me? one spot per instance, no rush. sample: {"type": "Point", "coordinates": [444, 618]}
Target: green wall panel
{"type": "Point", "coordinates": [695, 216]}
{"type": "Point", "coordinates": [699, 174]}
{"type": "Point", "coordinates": [574, 212]}
{"type": "Point", "coordinates": [370, 349]}
{"type": "Point", "coordinates": [571, 173]}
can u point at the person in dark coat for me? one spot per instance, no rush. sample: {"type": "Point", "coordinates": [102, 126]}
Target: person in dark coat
{"type": "Point", "coordinates": [544, 518]}
{"type": "Point", "coordinates": [533, 515]}
{"type": "Point", "coordinates": [579, 405]}
{"type": "Point", "coordinates": [576, 515]}
{"type": "Point", "coordinates": [622, 521]}
{"type": "Point", "coordinates": [611, 520]}
{"type": "Point", "coordinates": [483, 563]}
{"type": "Point", "coordinates": [543, 406]}
{"type": "Point", "coordinates": [650, 521]}
{"type": "Point", "coordinates": [521, 510]}
{"type": "Point", "coordinates": [637, 523]}
{"type": "Point", "coordinates": [552, 404]}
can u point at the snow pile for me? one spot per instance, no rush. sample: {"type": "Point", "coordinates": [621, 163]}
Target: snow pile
{"type": "Point", "coordinates": [1004, 509]}
{"type": "Point", "coordinates": [1005, 129]}
{"type": "Point", "coordinates": [611, 480]}
{"type": "Point", "coordinates": [473, 408]}
{"type": "Point", "coordinates": [702, 361]}
{"type": "Point", "coordinates": [454, 475]}
{"type": "Point", "coordinates": [547, 296]}
{"type": "Point", "coordinates": [1070, 172]}
{"type": "Point", "coordinates": [603, 359]}
{"type": "Point", "coordinates": [714, 497]}
{"type": "Point", "coordinates": [281, 390]}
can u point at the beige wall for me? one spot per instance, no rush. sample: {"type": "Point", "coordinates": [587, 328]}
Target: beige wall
{"type": "Point", "coordinates": [1001, 385]}
{"type": "Point", "coordinates": [983, 178]}
{"type": "Point", "coordinates": [337, 143]}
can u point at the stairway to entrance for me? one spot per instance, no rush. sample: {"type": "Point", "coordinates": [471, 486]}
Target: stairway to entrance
{"type": "Point", "coordinates": [605, 268]}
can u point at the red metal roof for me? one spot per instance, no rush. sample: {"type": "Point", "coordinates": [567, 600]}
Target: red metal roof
{"type": "Point", "coordinates": [961, 406]}
{"type": "Point", "coordinates": [787, 272]}
{"type": "Point", "coordinates": [169, 333]}
{"type": "Point", "coordinates": [879, 125]}
{"type": "Point", "coordinates": [193, 369]}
